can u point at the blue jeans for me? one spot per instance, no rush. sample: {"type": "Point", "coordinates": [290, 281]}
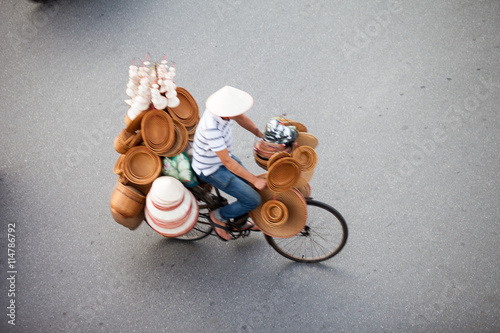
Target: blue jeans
{"type": "Point", "coordinates": [247, 199]}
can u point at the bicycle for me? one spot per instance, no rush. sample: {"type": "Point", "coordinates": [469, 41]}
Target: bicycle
{"type": "Point", "coordinates": [324, 235]}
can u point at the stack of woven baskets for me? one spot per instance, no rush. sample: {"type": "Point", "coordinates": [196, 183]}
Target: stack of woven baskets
{"type": "Point", "coordinates": [283, 210]}
{"type": "Point", "coordinates": [149, 134]}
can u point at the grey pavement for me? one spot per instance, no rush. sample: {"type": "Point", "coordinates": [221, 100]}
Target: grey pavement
{"type": "Point", "coordinates": [403, 96]}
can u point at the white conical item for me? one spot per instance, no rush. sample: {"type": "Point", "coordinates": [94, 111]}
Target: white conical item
{"type": "Point", "coordinates": [135, 79]}
{"type": "Point", "coordinates": [142, 73]}
{"type": "Point", "coordinates": [132, 113]}
{"type": "Point", "coordinates": [129, 101]}
{"type": "Point", "coordinates": [132, 85]}
{"type": "Point", "coordinates": [174, 102]}
{"type": "Point", "coordinates": [160, 103]}
{"type": "Point", "coordinates": [170, 85]}
{"type": "Point", "coordinates": [141, 99]}
{"type": "Point", "coordinates": [131, 93]}
{"type": "Point", "coordinates": [163, 89]}
{"type": "Point", "coordinates": [171, 94]}
{"type": "Point", "coordinates": [171, 69]}
{"type": "Point", "coordinates": [141, 107]}
{"type": "Point", "coordinates": [144, 91]}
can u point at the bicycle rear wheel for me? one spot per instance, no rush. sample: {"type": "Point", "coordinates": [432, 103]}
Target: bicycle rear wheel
{"type": "Point", "coordinates": [324, 235]}
{"type": "Point", "coordinates": [202, 228]}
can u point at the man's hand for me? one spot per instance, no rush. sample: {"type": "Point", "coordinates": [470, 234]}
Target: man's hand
{"type": "Point", "coordinates": [260, 183]}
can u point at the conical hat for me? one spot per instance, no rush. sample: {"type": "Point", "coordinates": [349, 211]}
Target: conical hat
{"type": "Point", "coordinates": [229, 102]}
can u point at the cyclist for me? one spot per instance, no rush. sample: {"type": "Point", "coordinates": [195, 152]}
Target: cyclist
{"type": "Point", "coordinates": [214, 163]}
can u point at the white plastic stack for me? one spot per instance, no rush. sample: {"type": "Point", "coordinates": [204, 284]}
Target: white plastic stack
{"type": "Point", "coordinates": [171, 209]}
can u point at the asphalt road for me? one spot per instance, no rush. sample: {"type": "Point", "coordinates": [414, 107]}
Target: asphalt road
{"type": "Point", "coordinates": [403, 96]}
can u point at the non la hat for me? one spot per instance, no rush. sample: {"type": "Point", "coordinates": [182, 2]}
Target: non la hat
{"type": "Point", "coordinates": [229, 102]}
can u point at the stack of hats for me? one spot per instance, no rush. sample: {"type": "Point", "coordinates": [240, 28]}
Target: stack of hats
{"type": "Point", "coordinates": [282, 212]}
{"type": "Point", "coordinates": [161, 120]}
{"type": "Point", "coordinates": [186, 112]}
{"type": "Point", "coordinates": [297, 135]}
{"type": "Point", "coordinates": [171, 209]}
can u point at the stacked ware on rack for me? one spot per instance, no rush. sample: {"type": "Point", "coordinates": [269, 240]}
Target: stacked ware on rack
{"type": "Point", "coordinates": [287, 153]}
{"type": "Point", "coordinates": [171, 209]}
{"type": "Point", "coordinates": [160, 122]}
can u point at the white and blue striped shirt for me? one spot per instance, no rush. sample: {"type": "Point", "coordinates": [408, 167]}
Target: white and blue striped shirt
{"type": "Point", "coordinates": [212, 134]}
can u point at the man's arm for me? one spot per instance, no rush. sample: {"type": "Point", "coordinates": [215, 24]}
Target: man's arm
{"type": "Point", "coordinates": [248, 124]}
{"type": "Point", "coordinates": [236, 168]}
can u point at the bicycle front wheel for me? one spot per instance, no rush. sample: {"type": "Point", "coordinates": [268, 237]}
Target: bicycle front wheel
{"type": "Point", "coordinates": [324, 235]}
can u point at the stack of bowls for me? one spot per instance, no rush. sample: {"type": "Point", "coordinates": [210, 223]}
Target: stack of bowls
{"type": "Point", "coordinates": [283, 174]}
{"type": "Point", "coordinates": [127, 205]}
{"type": "Point", "coordinates": [267, 149]}
{"type": "Point", "coordinates": [141, 166]}
{"type": "Point", "coordinates": [158, 132]}
{"type": "Point", "coordinates": [187, 112]}
{"type": "Point", "coordinates": [180, 142]}
{"type": "Point", "coordinates": [171, 209]}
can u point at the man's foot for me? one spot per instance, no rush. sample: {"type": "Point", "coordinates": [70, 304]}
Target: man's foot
{"type": "Point", "coordinates": [249, 225]}
{"type": "Point", "coordinates": [220, 226]}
